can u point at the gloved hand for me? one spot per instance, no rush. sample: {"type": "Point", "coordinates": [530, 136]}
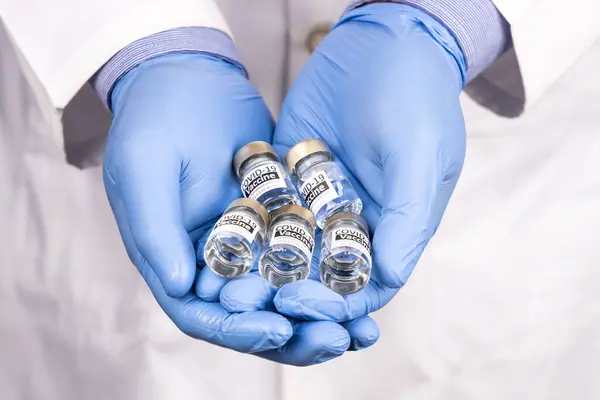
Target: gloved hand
{"type": "Point", "coordinates": [313, 341]}
{"type": "Point", "coordinates": [178, 120]}
{"type": "Point", "coordinates": [382, 90]}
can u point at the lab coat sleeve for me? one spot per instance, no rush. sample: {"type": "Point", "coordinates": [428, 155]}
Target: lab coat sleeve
{"type": "Point", "coordinates": [479, 28]}
{"type": "Point", "coordinates": [185, 39]}
{"type": "Point", "coordinates": [548, 37]}
{"type": "Point", "coordinates": [66, 41]}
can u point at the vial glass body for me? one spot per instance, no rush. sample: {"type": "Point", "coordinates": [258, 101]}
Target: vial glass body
{"type": "Point", "coordinates": [235, 242]}
{"type": "Point", "coordinates": [345, 255]}
{"type": "Point", "coordinates": [325, 188]}
{"type": "Point", "coordinates": [264, 178]}
{"type": "Point", "coordinates": [287, 256]}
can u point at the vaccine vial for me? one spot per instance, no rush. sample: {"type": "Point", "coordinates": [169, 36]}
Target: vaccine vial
{"type": "Point", "coordinates": [288, 254]}
{"type": "Point", "coordinates": [263, 177]}
{"type": "Point", "coordinates": [322, 183]}
{"type": "Point", "coordinates": [237, 239]}
{"type": "Point", "coordinates": [345, 265]}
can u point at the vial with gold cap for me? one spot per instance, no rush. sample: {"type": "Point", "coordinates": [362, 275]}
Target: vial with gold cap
{"type": "Point", "coordinates": [322, 183]}
{"type": "Point", "coordinates": [237, 238]}
{"type": "Point", "coordinates": [345, 253]}
{"type": "Point", "coordinates": [263, 177]}
{"type": "Point", "coordinates": [287, 256]}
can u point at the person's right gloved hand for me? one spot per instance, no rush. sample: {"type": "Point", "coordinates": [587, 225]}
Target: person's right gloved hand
{"type": "Point", "coordinates": [382, 90]}
{"type": "Point", "coordinates": [178, 120]}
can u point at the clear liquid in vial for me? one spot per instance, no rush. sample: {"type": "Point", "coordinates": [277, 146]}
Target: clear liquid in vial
{"type": "Point", "coordinates": [277, 198]}
{"type": "Point", "coordinates": [340, 197]}
{"type": "Point", "coordinates": [274, 193]}
{"type": "Point", "coordinates": [345, 257]}
{"type": "Point", "coordinates": [287, 256]}
{"type": "Point", "coordinates": [231, 250]}
{"type": "Point", "coordinates": [282, 264]}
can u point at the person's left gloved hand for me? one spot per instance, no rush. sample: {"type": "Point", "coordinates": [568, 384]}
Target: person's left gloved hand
{"type": "Point", "coordinates": [383, 91]}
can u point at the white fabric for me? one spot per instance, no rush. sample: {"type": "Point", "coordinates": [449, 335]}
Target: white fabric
{"type": "Point", "coordinates": [504, 303]}
{"type": "Point", "coordinates": [502, 306]}
{"type": "Point", "coordinates": [549, 36]}
{"type": "Point", "coordinates": [67, 41]}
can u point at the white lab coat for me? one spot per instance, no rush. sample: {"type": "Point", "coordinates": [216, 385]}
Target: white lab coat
{"type": "Point", "coordinates": [502, 306]}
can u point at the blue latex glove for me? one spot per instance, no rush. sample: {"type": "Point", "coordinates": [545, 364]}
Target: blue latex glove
{"type": "Point", "coordinates": [178, 120]}
{"type": "Point", "coordinates": [382, 90]}
{"type": "Point", "coordinates": [252, 293]}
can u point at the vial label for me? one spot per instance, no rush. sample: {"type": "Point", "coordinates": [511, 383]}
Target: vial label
{"type": "Point", "coordinates": [353, 238]}
{"type": "Point", "coordinates": [294, 235]}
{"type": "Point", "coordinates": [317, 191]}
{"type": "Point", "coordinates": [263, 179]}
{"type": "Point", "coordinates": [239, 223]}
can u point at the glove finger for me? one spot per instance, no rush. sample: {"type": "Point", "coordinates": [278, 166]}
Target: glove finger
{"type": "Point", "coordinates": [209, 285]}
{"type": "Point", "coordinates": [199, 236]}
{"type": "Point", "coordinates": [247, 332]}
{"type": "Point", "coordinates": [363, 332]}
{"type": "Point", "coordinates": [312, 343]}
{"type": "Point", "coordinates": [404, 229]}
{"type": "Point", "coordinates": [311, 300]}
{"type": "Point", "coordinates": [118, 208]}
{"type": "Point", "coordinates": [249, 293]}
{"type": "Point", "coordinates": [150, 193]}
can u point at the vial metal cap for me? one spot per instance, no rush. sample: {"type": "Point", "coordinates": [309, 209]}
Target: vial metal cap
{"type": "Point", "coordinates": [303, 149]}
{"type": "Point", "coordinates": [297, 210]}
{"type": "Point", "coordinates": [253, 204]}
{"type": "Point", "coordinates": [348, 216]}
{"type": "Point", "coordinates": [249, 150]}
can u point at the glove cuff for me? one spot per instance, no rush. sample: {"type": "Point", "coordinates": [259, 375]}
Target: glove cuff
{"type": "Point", "coordinates": [477, 25]}
{"type": "Point", "coordinates": [179, 40]}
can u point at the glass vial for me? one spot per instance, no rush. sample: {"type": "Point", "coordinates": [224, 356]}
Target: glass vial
{"type": "Point", "coordinates": [263, 177]}
{"type": "Point", "coordinates": [237, 239]}
{"type": "Point", "coordinates": [322, 183]}
{"type": "Point", "coordinates": [345, 253]}
{"type": "Point", "coordinates": [288, 254]}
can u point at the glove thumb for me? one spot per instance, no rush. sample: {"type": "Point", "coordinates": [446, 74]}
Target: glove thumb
{"type": "Point", "coordinates": [414, 202]}
{"type": "Point", "coordinates": [148, 183]}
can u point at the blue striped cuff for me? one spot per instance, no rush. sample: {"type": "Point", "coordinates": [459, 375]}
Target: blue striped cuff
{"type": "Point", "coordinates": [479, 28]}
{"type": "Point", "coordinates": [187, 39]}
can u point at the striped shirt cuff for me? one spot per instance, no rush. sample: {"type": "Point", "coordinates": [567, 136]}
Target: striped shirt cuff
{"type": "Point", "coordinates": [187, 40]}
{"type": "Point", "coordinates": [479, 28]}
